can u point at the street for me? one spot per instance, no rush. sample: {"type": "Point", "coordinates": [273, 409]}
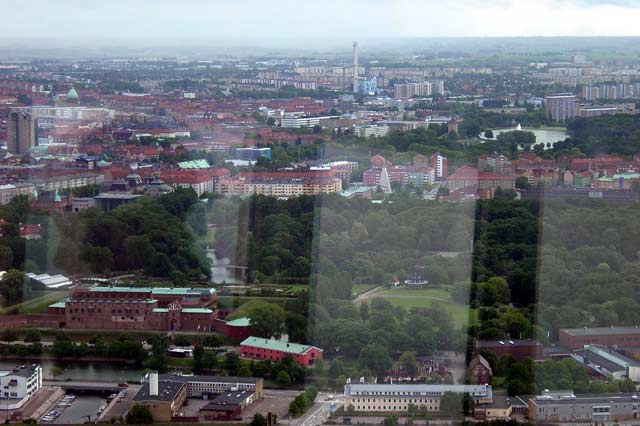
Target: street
{"type": "Point", "coordinates": [320, 411]}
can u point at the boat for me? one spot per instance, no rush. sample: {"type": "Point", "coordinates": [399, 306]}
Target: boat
{"type": "Point", "coordinates": [101, 409]}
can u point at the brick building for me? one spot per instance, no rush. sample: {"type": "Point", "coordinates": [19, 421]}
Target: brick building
{"type": "Point", "coordinates": [130, 308]}
{"type": "Point", "coordinates": [578, 338]}
{"type": "Point", "coordinates": [519, 349]}
{"type": "Point", "coordinates": [275, 350]}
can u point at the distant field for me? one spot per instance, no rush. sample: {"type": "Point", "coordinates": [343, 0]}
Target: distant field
{"type": "Point", "coordinates": [421, 298]}
{"type": "Point", "coordinates": [39, 304]}
{"type": "Point", "coordinates": [361, 288]}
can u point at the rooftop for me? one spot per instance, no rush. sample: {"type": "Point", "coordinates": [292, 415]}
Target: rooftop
{"type": "Point", "coordinates": [239, 322]}
{"type": "Point", "coordinates": [598, 331]}
{"type": "Point", "coordinates": [156, 290]}
{"type": "Point", "coordinates": [355, 389]}
{"type": "Point", "coordinates": [167, 391]}
{"type": "Point", "coordinates": [276, 345]}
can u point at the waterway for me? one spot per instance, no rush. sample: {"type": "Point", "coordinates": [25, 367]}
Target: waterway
{"type": "Point", "coordinates": [80, 370]}
{"type": "Point", "coordinates": [219, 269]}
{"type": "Point", "coordinates": [549, 135]}
{"type": "Point", "coordinates": [84, 407]}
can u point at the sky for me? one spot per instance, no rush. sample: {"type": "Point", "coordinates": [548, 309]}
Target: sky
{"type": "Point", "coordinates": [298, 20]}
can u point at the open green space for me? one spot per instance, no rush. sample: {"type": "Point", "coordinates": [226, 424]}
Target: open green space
{"type": "Point", "coordinates": [424, 297]}
{"type": "Point", "coordinates": [37, 305]}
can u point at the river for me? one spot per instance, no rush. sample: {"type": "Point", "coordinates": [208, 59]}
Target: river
{"type": "Point", "coordinates": [81, 370]}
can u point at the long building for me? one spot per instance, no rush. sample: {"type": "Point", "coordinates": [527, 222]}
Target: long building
{"type": "Point", "coordinates": [577, 338]}
{"type": "Point", "coordinates": [561, 106]}
{"type": "Point", "coordinates": [275, 350]}
{"type": "Point", "coordinates": [281, 183]}
{"type": "Point", "coordinates": [567, 407]}
{"type": "Point", "coordinates": [398, 398]}
{"type": "Point", "coordinates": [137, 308]}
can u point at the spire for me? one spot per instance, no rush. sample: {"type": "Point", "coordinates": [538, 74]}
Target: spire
{"type": "Point", "coordinates": [385, 183]}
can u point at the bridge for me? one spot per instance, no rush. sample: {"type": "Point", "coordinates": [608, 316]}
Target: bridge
{"type": "Point", "coordinates": [84, 387]}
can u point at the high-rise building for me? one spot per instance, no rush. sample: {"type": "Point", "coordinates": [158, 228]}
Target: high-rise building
{"type": "Point", "coordinates": [21, 132]}
{"type": "Point", "coordinates": [355, 67]}
{"type": "Point", "coordinates": [561, 106]}
{"type": "Point", "coordinates": [440, 165]}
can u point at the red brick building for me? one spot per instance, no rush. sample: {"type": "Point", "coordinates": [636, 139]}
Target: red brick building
{"type": "Point", "coordinates": [130, 308]}
{"type": "Point", "coordinates": [577, 338]}
{"type": "Point", "coordinates": [239, 328]}
{"type": "Point", "coordinates": [479, 371]}
{"type": "Point", "coordinates": [275, 350]}
{"type": "Point", "coordinates": [519, 349]}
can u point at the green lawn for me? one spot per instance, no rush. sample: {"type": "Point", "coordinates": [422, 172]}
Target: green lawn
{"type": "Point", "coordinates": [409, 298]}
{"type": "Point", "coordinates": [38, 305]}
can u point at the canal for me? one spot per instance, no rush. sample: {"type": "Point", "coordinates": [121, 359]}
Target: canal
{"type": "Point", "coordinates": [80, 370]}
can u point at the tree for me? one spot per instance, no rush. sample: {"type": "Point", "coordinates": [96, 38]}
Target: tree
{"type": "Point", "coordinates": [14, 288]}
{"type": "Point", "coordinates": [258, 420]}
{"type": "Point", "coordinates": [522, 182]}
{"type": "Point", "coordinates": [451, 403]}
{"type": "Point", "coordinates": [376, 358]}
{"type": "Point", "coordinates": [283, 378]}
{"type": "Point", "coordinates": [409, 363]}
{"type": "Point", "coordinates": [55, 372]}
{"type": "Point", "coordinates": [231, 363]}
{"type": "Point", "coordinates": [139, 415]}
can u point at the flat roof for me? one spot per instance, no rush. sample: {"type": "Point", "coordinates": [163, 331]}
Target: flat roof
{"type": "Point", "coordinates": [507, 343]}
{"type": "Point", "coordinates": [276, 345]}
{"type": "Point", "coordinates": [186, 291]}
{"type": "Point", "coordinates": [117, 196]}
{"type": "Point", "coordinates": [239, 322]}
{"type": "Point", "coordinates": [597, 331]}
{"type": "Point", "coordinates": [167, 391]}
{"type": "Point", "coordinates": [197, 311]}
{"type": "Point", "coordinates": [410, 389]}
{"type": "Point", "coordinates": [605, 398]}
{"type": "Point", "coordinates": [210, 379]}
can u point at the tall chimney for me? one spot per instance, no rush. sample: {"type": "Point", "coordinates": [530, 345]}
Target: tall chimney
{"type": "Point", "coordinates": [153, 383]}
{"type": "Point", "coordinates": [355, 67]}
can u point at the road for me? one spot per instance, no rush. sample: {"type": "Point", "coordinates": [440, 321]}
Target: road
{"type": "Point", "coordinates": [319, 412]}
{"type": "Point", "coordinates": [367, 294]}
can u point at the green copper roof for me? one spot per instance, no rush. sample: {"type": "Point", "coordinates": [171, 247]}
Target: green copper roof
{"type": "Point", "coordinates": [240, 322]}
{"type": "Point", "coordinates": [156, 290]}
{"type": "Point", "coordinates": [160, 310]}
{"type": "Point", "coordinates": [194, 164]}
{"type": "Point", "coordinates": [197, 311]}
{"type": "Point", "coordinates": [72, 94]}
{"type": "Point", "coordinates": [59, 303]}
{"type": "Point", "coordinates": [276, 345]}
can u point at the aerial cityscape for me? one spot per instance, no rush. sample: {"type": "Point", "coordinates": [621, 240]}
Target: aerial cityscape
{"type": "Point", "coordinates": [210, 216]}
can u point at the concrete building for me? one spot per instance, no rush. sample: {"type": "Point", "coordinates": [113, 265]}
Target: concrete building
{"type": "Point", "coordinates": [577, 338]}
{"type": "Point", "coordinates": [398, 398]}
{"type": "Point", "coordinates": [374, 130]}
{"type": "Point", "coordinates": [440, 164]}
{"type": "Point", "coordinates": [21, 132]}
{"type": "Point", "coordinates": [561, 106]}
{"type": "Point", "coordinates": [275, 350]}
{"type": "Point", "coordinates": [17, 386]}
{"type": "Point", "coordinates": [283, 184]}
{"type": "Point", "coordinates": [566, 407]}
{"type": "Point", "coordinates": [252, 154]}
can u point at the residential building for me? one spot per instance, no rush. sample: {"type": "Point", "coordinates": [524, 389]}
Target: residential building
{"type": "Point", "coordinates": [10, 190]}
{"type": "Point", "coordinates": [390, 398]}
{"type": "Point", "coordinates": [21, 132]}
{"type": "Point", "coordinates": [479, 370]}
{"type": "Point", "coordinates": [561, 106]}
{"type": "Point", "coordinates": [374, 130]}
{"type": "Point", "coordinates": [252, 154]}
{"type": "Point", "coordinates": [276, 350]}
{"type": "Point", "coordinates": [17, 386]}
{"type": "Point", "coordinates": [440, 165]}
{"type": "Point", "coordinates": [283, 184]}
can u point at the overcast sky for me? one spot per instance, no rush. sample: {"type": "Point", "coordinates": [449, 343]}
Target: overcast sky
{"type": "Point", "coordinates": [298, 19]}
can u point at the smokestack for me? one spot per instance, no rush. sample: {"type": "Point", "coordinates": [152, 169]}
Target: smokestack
{"type": "Point", "coordinates": [153, 383]}
{"type": "Point", "coordinates": [355, 67]}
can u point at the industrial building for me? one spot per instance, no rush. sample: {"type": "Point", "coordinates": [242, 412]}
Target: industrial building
{"type": "Point", "coordinates": [564, 406]}
{"type": "Point", "coordinates": [577, 338]}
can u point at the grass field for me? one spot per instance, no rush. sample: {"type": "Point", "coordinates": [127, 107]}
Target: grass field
{"type": "Point", "coordinates": [409, 298]}
{"type": "Point", "coordinates": [38, 305]}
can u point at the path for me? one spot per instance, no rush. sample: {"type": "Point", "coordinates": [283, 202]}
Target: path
{"type": "Point", "coordinates": [367, 294]}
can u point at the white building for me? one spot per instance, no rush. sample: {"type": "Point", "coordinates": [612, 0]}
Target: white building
{"type": "Point", "coordinates": [371, 130]}
{"type": "Point", "coordinates": [398, 398]}
{"type": "Point", "coordinates": [18, 385]}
